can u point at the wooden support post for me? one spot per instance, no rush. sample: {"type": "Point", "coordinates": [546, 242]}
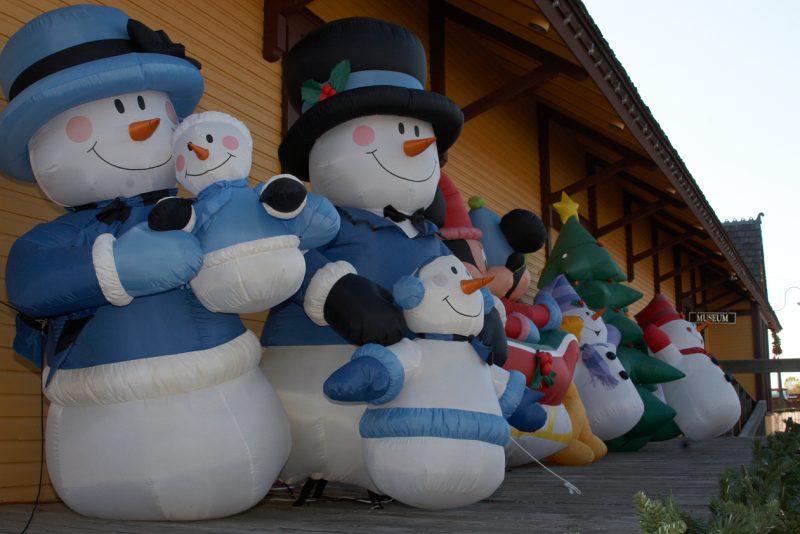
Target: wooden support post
{"type": "Point", "coordinates": [656, 258]}
{"type": "Point", "coordinates": [693, 283]}
{"type": "Point", "coordinates": [511, 90]}
{"type": "Point", "coordinates": [678, 276]}
{"type": "Point", "coordinates": [707, 285]}
{"type": "Point", "coordinates": [629, 263]}
{"type": "Point", "coordinates": [652, 251]}
{"type": "Point", "coordinates": [717, 298]}
{"type": "Point", "coordinates": [275, 41]}
{"type": "Point", "coordinates": [543, 131]}
{"type": "Point", "coordinates": [599, 177]}
{"type": "Point", "coordinates": [436, 44]}
{"type": "Point", "coordinates": [683, 268]}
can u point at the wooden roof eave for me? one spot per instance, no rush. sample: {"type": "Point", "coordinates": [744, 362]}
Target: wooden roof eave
{"type": "Point", "coordinates": [577, 29]}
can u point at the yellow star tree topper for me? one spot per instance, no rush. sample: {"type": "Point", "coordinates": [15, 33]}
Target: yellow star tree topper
{"type": "Point", "coordinates": [566, 208]}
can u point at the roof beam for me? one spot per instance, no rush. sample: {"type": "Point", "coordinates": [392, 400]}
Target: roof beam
{"type": "Point", "coordinates": [599, 138]}
{"type": "Point", "coordinates": [656, 192]}
{"type": "Point", "coordinates": [533, 79]}
{"type": "Point", "coordinates": [603, 175]}
{"type": "Point", "coordinates": [512, 41]}
{"type": "Point", "coordinates": [720, 296]}
{"type": "Point", "coordinates": [727, 305]}
{"type": "Point", "coordinates": [708, 285]}
{"type": "Point", "coordinates": [682, 269]}
{"type": "Point", "coordinates": [630, 218]}
{"type": "Point", "coordinates": [652, 251]}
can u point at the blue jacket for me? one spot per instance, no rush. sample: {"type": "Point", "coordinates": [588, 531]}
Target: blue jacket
{"type": "Point", "coordinates": [377, 248]}
{"type": "Point", "coordinates": [50, 274]}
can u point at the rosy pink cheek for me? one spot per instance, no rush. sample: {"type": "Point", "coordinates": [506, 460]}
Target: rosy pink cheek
{"type": "Point", "coordinates": [180, 163]}
{"type": "Point", "coordinates": [171, 112]}
{"type": "Point", "coordinates": [230, 142]}
{"type": "Point", "coordinates": [363, 135]}
{"type": "Point", "coordinates": [79, 129]}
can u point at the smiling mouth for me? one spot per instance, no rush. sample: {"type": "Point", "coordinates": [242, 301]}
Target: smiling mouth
{"type": "Point", "coordinates": [402, 177]}
{"type": "Point", "coordinates": [126, 168]}
{"type": "Point", "coordinates": [215, 168]}
{"type": "Point", "coordinates": [446, 299]}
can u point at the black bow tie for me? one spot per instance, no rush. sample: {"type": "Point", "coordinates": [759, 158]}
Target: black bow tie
{"type": "Point", "coordinates": [417, 218]}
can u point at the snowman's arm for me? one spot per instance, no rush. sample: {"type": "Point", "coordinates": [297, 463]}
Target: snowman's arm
{"type": "Point", "coordinates": [47, 276]}
{"type": "Point", "coordinates": [375, 374]}
{"type": "Point", "coordinates": [316, 224]}
{"type": "Point", "coordinates": [518, 403]}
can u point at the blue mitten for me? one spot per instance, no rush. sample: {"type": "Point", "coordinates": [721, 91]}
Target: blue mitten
{"type": "Point", "coordinates": [373, 375]}
{"type": "Point", "coordinates": [150, 262]}
{"type": "Point", "coordinates": [529, 416]}
{"type": "Point", "coordinates": [317, 224]}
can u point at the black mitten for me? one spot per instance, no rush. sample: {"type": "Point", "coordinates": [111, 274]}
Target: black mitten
{"type": "Point", "coordinates": [170, 214]}
{"type": "Point", "coordinates": [362, 312]}
{"type": "Point", "coordinates": [284, 195]}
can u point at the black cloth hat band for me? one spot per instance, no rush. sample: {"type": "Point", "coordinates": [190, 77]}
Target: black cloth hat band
{"type": "Point", "coordinates": [142, 39]}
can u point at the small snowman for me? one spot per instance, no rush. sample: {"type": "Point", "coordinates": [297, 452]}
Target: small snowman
{"type": "Point", "coordinates": [705, 401]}
{"type": "Point", "coordinates": [435, 427]}
{"type": "Point", "coordinates": [251, 239]}
{"type": "Point", "coordinates": [158, 409]}
{"type": "Point", "coordinates": [612, 404]}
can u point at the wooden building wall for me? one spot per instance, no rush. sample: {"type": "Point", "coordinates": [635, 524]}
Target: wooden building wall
{"type": "Point", "coordinates": [496, 157]}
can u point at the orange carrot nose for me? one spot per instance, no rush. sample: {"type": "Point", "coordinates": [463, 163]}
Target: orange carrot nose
{"type": "Point", "coordinates": [202, 153]}
{"type": "Point", "coordinates": [471, 286]}
{"type": "Point", "coordinates": [702, 326]}
{"type": "Point", "coordinates": [142, 130]}
{"type": "Point", "coordinates": [598, 313]}
{"type": "Point", "coordinates": [415, 147]}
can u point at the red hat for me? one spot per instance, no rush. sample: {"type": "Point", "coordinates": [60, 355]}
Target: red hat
{"type": "Point", "coordinates": [658, 312]}
{"type": "Point", "coordinates": [457, 224]}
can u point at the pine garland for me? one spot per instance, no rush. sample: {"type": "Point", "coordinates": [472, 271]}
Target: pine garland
{"type": "Point", "coordinates": [764, 497]}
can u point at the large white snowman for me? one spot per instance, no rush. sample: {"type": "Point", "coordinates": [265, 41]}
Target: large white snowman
{"type": "Point", "coordinates": [705, 401]}
{"type": "Point", "coordinates": [612, 404]}
{"type": "Point", "coordinates": [158, 409]}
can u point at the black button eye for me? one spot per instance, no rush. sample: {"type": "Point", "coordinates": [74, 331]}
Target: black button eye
{"type": "Point", "coordinates": [209, 138]}
{"type": "Point", "coordinates": [611, 356]}
{"type": "Point", "coordinates": [455, 271]}
{"type": "Point", "coordinates": [624, 375]}
{"type": "Point", "coordinates": [401, 128]}
{"type": "Point", "coordinates": [118, 105]}
{"type": "Point", "coordinates": [140, 101]}
{"type": "Point", "coordinates": [416, 131]}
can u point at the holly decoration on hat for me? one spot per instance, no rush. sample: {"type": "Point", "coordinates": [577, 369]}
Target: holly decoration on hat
{"type": "Point", "coordinates": [313, 92]}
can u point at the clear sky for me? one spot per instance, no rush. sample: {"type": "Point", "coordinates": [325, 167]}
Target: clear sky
{"type": "Point", "coordinates": [722, 78]}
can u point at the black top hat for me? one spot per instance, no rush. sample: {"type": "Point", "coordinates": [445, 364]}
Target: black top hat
{"type": "Point", "coordinates": [387, 74]}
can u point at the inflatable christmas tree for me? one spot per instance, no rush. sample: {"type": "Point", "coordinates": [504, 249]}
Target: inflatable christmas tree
{"type": "Point", "coordinates": [597, 279]}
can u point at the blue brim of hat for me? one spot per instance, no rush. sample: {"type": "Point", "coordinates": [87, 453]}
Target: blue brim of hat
{"type": "Point", "coordinates": [117, 75]}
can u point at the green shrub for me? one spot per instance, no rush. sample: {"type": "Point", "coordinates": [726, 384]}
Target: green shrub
{"type": "Point", "coordinates": [762, 498]}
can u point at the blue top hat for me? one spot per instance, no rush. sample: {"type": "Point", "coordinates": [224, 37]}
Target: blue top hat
{"type": "Point", "coordinates": [78, 54]}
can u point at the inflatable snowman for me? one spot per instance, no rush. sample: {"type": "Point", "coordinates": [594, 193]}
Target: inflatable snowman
{"type": "Point", "coordinates": [433, 434]}
{"type": "Point", "coordinates": [241, 238]}
{"type": "Point", "coordinates": [612, 404]}
{"type": "Point", "coordinates": [158, 409]}
{"type": "Point", "coordinates": [705, 401]}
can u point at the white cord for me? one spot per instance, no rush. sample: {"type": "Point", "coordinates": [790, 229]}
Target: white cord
{"type": "Point", "coordinates": [572, 488]}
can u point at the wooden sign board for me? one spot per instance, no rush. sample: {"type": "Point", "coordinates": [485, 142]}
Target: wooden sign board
{"type": "Point", "coordinates": [717, 317]}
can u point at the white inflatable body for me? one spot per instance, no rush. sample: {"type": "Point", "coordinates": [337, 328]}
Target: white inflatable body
{"type": "Point", "coordinates": [405, 443]}
{"type": "Point", "coordinates": [182, 436]}
{"type": "Point", "coordinates": [612, 404]}
{"type": "Point", "coordinates": [705, 401]}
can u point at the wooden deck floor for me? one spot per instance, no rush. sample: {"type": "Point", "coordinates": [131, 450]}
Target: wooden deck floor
{"type": "Point", "coordinates": [530, 500]}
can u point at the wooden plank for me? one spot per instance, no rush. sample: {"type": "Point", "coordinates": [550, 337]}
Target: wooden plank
{"type": "Point", "coordinates": [20, 451]}
{"type": "Point", "coordinates": [21, 428]}
{"type": "Point", "coordinates": [20, 382]}
{"type": "Point", "coordinates": [26, 494]}
{"type": "Point", "coordinates": [652, 251]}
{"type": "Point", "coordinates": [783, 365]}
{"type": "Point", "coordinates": [20, 405]}
{"type": "Point", "coordinates": [529, 499]}
{"type": "Point", "coordinates": [598, 178]}
{"type": "Point", "coordinates": [634, 216]}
